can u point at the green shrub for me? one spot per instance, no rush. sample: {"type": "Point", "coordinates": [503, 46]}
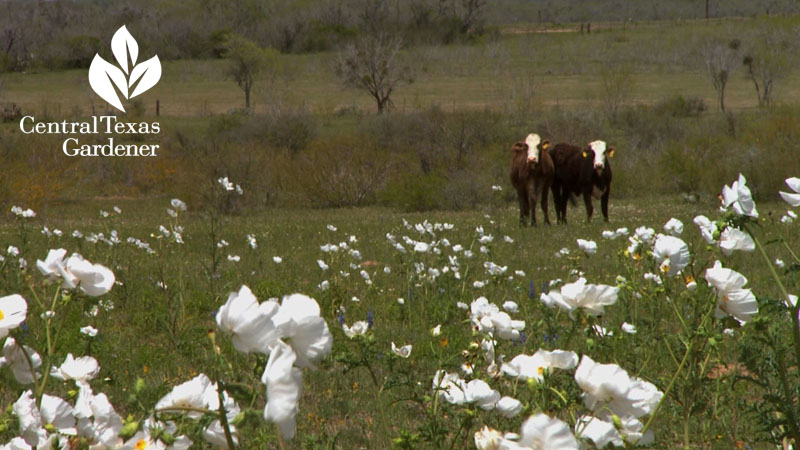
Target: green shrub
{"type": "Point", "coordinates": [680, 106]}
{"type": "Point", "coordinates": [340, 171]}
{"type": "Point", "coordinates": [80, 51]}
{"type": "Point", "coordinates": [412, 191]}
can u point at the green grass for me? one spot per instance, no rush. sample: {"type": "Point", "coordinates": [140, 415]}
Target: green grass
{"type": "Point", "coordinates": [161, 335]}
{"type": "Point", "coordinates": [664, 57]}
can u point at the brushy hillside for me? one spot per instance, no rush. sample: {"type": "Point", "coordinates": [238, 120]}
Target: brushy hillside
{"type": "Point", "coordinates": [645, 90]}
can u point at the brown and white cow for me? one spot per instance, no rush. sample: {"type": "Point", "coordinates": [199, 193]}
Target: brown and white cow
{"type": "Point", "coordinates": [581, 171]}
{"type": "Point", "coordinates": [531, 174]}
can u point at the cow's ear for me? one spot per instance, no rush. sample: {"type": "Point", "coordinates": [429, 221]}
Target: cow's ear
{"type": "Point", "coordinates": [585, 154]}
{"type": "Point", "coordinates": [545, 144]}
{"type": "Point", "coordinates": [611, 152]}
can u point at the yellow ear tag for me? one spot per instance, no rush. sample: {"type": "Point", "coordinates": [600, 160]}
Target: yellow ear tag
{"type": "Point", "coordinates": [611, 153]}
{"type": "Point", "coordinates": [584, 154]}
{"type": "Point", "coordinates": [545, 145]}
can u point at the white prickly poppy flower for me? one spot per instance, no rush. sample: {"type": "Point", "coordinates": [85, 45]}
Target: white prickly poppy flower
{"type": "Point", "coordinates": [735, 239]}
{"type": "Point", "coordinates": [13, 311]}
{"type": "Point", "coordinates": [524, 367]}
{"type": "Point", "coordinates": [732, 298]}
{"type": "Point", "coordinates": [609, 386]}
{"type": "Point", "coordinates": [672, 254]}
{"type": "Point", "coordinates": [738, 197]}
{"type": "Point", "coordinates": [249, 322]}
{"type": "Point", "coordinates": [542, 432]}
{"type": "Point", "coordinates": [792, 198]}
{"type": "Point", "coordinates": [284, 384]}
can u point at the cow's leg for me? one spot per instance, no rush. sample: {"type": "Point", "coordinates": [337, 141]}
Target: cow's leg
{"type": "Point", "coordinates": [561, 206]}
{"type": "Point", "coordinates": [556, 188]}
{"type": "Point", "coordinates": [522, 193]}
{"type": "Point", "coordinates": [532, 201]}
{"type": "Point", "coordinates": [604, 203]}
{"type": "Point", "coordinates": [587, 199]}
{"type": "Point", "coordinates": [544, 192]}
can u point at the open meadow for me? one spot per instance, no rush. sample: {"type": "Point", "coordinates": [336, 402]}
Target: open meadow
{"type": "Point", "coordinates": [429, 317]}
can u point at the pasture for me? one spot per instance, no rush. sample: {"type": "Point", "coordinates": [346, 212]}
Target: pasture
{"type": "Point", "coordinates": [331, 192]}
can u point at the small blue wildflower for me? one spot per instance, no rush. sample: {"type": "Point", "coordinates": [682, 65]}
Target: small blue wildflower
{"type": "Point", "coordinates": [24, 330]}
{"type": "Point", "coordinates": [370, 319]}
{"type": "Point", "coordinates": [532, 289]}
{"type": "Point", "coordinates": [522, 339]}
{"type": "Point", "coordinates": [341, 318]}
{"type": "Point", "coordinates": [545, 287]}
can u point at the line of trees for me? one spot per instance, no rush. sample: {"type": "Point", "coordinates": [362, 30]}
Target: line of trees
{"type": "Point", "coordinates": [67, 33]}
{"type": "Point", "coordinates": [768, 57]}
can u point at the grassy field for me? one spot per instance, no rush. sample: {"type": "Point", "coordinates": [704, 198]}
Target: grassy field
{"type": "Point", "coordinates": [563, 70]}
{"type": "Point", "coordinates": [725, 385]}
{"type": "Point", "coordinates": [159, 335]}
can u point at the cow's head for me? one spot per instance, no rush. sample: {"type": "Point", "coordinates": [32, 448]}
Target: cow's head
{"type": "Point", "coordinates": [535, 147]}
{"type": "Point", "coordinates": [600, 153]}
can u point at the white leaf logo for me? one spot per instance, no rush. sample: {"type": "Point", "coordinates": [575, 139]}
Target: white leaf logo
{"type": "Point", "coordinates": [105, 77]}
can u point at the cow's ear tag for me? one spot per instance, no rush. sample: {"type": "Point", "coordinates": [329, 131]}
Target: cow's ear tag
{"type": "Point", "coordinates": [584, 154]}
{"type": "Point", "coordinates": [611, 152]}
{"type": "Point", "coordinates": [545, 145]}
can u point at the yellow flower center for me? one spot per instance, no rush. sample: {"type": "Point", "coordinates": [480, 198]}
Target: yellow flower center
{"type": "Point", "coordinates": [665, 268]}
{"type": "Point", "coordinates": [689, 279]}
{"type": "Point", "coordinates": [141, 445]}
{"type": "Point", "coordinates": [725, 298]}
{"type": "Point", "coordinates": [540, 370]}
{"type": "Point", "coordinates": [2, 316]}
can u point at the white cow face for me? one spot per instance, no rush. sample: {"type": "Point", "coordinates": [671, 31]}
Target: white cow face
{"type": "Point", "coordinates": [535, 146]}
{"type": "Point", "coordinates": [601, 152]}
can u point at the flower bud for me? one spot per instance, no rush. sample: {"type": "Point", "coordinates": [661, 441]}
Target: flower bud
{"type": "Point", "coordinates": [129, 429]}
{"type": "Point", "coordinates": [140, 385]}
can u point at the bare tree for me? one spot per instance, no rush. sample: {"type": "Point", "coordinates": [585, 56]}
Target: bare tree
{"type": "Point", "coordinates": [471, 15]}
{"type": "Point", "coordinates": [768, 60]}
{"type": "Point", "coordinates": [372, 64]}
{"type": "Point", "coordinates": [373, 15]}
{"type": "Point", "coordinates": [721, 61]}
{"type": "Point", "coordinates": [617, 83]}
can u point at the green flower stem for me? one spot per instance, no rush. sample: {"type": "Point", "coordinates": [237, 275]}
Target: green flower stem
{"type": "Point", "coordinates": [218, 370]}
{"type": "Point", "coordinates": [30, 364]}
{"type": "Point", "coordinates": [794, 310]}
{"type": "Point", "coordinates": [689, 350]}
{"type": "Point", "coordinates": [678, 315]}
{"type": "Point", "coordinates": [787, 392]}
{"type": "Point", "coordinates": [461, 427]}
{"type": "Point", "coordinates": [376, 392]}
{"type": "Point", "coordinates": [223, 418]}
{"type": "Point", "coordinates": [35, 295]}
{"type": "Point", "coordinates": [281, 444]}
{"type": "Point", "coordinates": [184, 409]}
{"type": "Point", "coordinates": [51, 345]}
